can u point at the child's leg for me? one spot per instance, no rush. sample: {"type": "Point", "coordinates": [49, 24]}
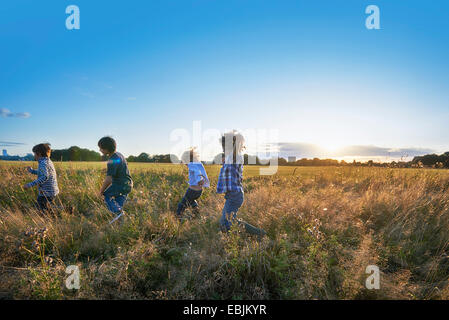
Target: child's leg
{"type": "Point", "coordinates": [234, 201]}
{"type": "Point", "coordinates": [110, 198]}
{"type": "Point", "coordinates": [111, 204]}
{"type": "Point", "coordinates": [193, 197]}
{"type": "Point", "coordinates": [182, 205]}
{"type": "Point", "coordinates": [42, 203]}
{"type": "Point", "coordinates": [189, 200]}
{"type": "Point", "coordinates": [194, 203]}
{"type": "Point", "coordinates": [121, 199]}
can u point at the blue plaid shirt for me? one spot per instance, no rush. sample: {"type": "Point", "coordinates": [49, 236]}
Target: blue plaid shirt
{"type": "Point", "coordinates": [46, 178]}
{"type": "Point", "coordinates": [230, 177]}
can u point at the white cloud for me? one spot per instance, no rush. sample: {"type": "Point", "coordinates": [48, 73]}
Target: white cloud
{"type": "Point", "coordinates": [22, 115]}
{"type": "Point", "coordinates": [10, 144]}
{"type": "Point", "coordinates": [6, 113]}
{"type": "Point", "coordinates": [306, 150]}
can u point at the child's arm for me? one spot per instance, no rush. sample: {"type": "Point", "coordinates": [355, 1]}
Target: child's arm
{"type": "Point", "coordinates": [201, 182]}
{"type": "Point", "coordinates": [204, 180]}
{"type": "Point", "coordinates": [106, 183]}
{"type": "Point", "coordinates": [31, 170]}
{"type": "Point", "coordinates": [42, 173]}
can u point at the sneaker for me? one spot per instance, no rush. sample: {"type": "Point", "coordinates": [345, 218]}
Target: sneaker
{"type": "Point", "coordinates": [181, 217]}
{"type": "Point", "coordinates": [117, 217]}
{"type": "Point", "coordinates": [195, 212]}
{"type": "Point", "coordinates": [249, 228]}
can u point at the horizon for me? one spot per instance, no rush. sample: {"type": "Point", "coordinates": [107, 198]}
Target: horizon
{"type": "Point", "coordinates": [394, 156]}
{"type": "Point", "coordinates": [312, 71]}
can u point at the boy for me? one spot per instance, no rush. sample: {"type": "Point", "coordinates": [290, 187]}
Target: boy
{"type": "Point", "coordinates": [230, 181]}
{"type": "Point", "coordinates": [46, 177]}
{"type": "Point", "coordinates": [118, 183]}
{"type": "Point", "coordinates": [197, 180]}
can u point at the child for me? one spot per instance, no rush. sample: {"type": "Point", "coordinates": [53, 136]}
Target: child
{"type": "Point", "coordinates": [230, 181]}
{"type": "Point", "coordinates": [197, 180]}
{"type": "Point", "coordinates": [46, 177]}
{"type": "Point", "coordinates": [118, 183]}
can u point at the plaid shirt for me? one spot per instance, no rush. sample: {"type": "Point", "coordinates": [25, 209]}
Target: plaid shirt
{"type": "Point", "coordinates": [46, 178]}
{"type": "Point", "coordinates": [230, 177]}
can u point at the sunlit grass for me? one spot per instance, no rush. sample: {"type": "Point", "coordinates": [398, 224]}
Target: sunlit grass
{"type": "Point", "coordinates": [324, 226]}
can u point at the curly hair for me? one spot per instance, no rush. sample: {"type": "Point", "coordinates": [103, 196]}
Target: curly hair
{"type": "Point", "coordinates": [42, 149]}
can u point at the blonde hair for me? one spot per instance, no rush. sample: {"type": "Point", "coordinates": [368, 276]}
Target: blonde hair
{"type": "Point", "coordinates": [190, 155]}
{"type": "Point", "coordinates": [233, 143]}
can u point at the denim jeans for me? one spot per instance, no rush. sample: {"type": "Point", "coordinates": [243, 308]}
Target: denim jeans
{"type": "Point", "coordinates": [189, 200]}
{"type": "Point", "coordinates": [115, 199]}
{"type": "Point", "coordinates": [234, 200]}
{"type": "Point", "coordinates": [43, 201]}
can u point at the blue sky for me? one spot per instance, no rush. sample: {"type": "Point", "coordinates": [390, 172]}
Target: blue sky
{"type": "Point", "coordinates": [310, 69]}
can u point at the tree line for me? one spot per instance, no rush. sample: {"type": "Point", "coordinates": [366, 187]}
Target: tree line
{"type": "Point", "coordinates": [79, 154]}
{"type": "Point", "coordinates": [430, 160]}
{"type": "Point", "coordinates": [75, 154]}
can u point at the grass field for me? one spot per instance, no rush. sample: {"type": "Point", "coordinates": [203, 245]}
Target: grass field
{"type": "Point", "coordinates": [324, 227]}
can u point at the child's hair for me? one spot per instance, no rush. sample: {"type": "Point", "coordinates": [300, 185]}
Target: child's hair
{"type": "Point", "coordinates": [232, 144]}
{"type": "Point", "coordinates": [42, 149]}
{"type": "Point", "coordinates": [190, 155]}
{"type": "Point", "coordinates": [107, 143]}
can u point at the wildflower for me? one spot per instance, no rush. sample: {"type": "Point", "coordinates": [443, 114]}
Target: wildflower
{"type": "Point", "coordinates": [49, 260]}
{"type": "Point", "coordinates": [36, 245]}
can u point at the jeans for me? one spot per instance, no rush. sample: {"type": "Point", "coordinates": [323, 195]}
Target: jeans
{"type": "Point", "coordinates": [43, 201]}
{"type": "Point", "coordinates": [115, 199]}
{"type": "Point", "coordinates": [234, 200]}
{"type": "Point", "coordinates": [189, 200]}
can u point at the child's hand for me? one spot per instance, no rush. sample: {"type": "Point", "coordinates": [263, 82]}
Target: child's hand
{"type": "Point", "coordinates": [28, 168]}
{"type": "Point", "coordinates": [201, 183]}
{"type": "Point", "coordinates": [26, 186]}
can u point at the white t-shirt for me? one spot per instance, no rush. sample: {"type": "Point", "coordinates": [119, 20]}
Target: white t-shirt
{"type": "Point", "coordinates": [197, 173]}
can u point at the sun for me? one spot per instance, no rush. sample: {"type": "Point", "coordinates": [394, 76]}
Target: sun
{"type": "Point", "coordinates": [331, 145]}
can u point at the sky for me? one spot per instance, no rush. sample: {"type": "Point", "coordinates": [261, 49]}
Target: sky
{"type": "Point", "coordinates": [308, 70]}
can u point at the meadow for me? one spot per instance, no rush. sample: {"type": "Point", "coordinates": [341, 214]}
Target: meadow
{"type": "Point", "coordinates": [324, 226]}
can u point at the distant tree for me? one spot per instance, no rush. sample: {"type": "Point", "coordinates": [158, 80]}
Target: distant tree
{"type": "Point", "coordinates": [218, 159]}
{"type": "Point", "coordinates": [143, 157]}
{"type": "Point", "coordinates": [165, 158]}
{"type": "Point", "coordinates": [159, 158]}
{"type": "Point", "coordinates": [282, 162]}
{"type": "Point", "coordinates": [173, 158]}
{"type": "Point", "coordinates": [75, 153]}
{"type": "Point", "coordinates": [251, 159]}
{"type": "Point", "coordinates": [430, 160]}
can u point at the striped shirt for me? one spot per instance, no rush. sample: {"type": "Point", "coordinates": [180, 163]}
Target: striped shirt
{"type": "Point", "coordinates": [46, 178]}
{"type": "Point", "coordinates": [230, 177]}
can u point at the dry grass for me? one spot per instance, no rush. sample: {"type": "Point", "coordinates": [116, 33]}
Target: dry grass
{"type": "Point", "coordinates": [324, 225]}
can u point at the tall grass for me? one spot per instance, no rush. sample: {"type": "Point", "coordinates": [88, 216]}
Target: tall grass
{"type": "Point", "coordinates": [324, 226]}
